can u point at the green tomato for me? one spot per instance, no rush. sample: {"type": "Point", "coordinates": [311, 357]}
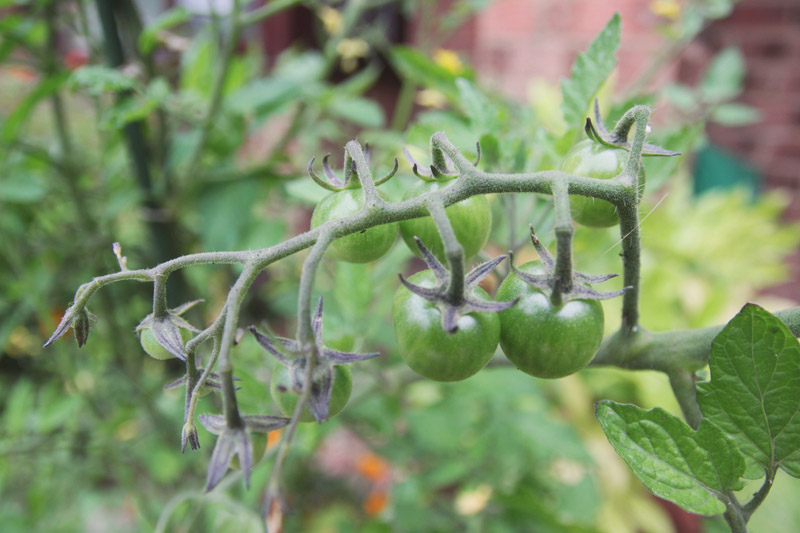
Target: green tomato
{"type": "Point", "coordinates": [259, 444]}
{"type": "Point", "coordinates": [360, 247]}
{"type": "Point", "coordinates": [594, 160]}
{"type": "Point", "coordinates": [280, 388]}
{"type": "Point", "coordinates": [428, 349]}
{"type": "Point", "coordinates": [544, 340]}
{"type": "Point", "coordinates": [471, 220]}
{"type": "Point", "coordinates": [151, 346]}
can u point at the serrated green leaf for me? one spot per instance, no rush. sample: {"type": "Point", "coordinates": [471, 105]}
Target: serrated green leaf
{"type": "Point", "coordinates": [754, 392]}
{"type": "Point", "coordinates": [691, 469]}
{"type": "Point", "coordinates": [590, 70]}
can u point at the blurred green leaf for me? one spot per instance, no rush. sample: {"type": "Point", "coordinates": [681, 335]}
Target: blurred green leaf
{"type": "Point", "coordinates": [358, 110]}
{"type": "Point", "coordinates": [17, 118]}
{"type": "Point", "coordinates": [754, 392]}
{"type": "Point", "coordinates": [589, 72]}
{"type": "Point", "coordinates": [418, 67]}
{"type": "Point", "coordinates": [149, 37]}
{"type": "Point", "coordinates": [724, 77]}
{"type": "Point", "coordinates": [735, 115]}
{"type": "Point", "coordinates": [98, 80]}
{"type": "Point", "coordinates": [19, 188]}
{"type": "Point", "coordinates": [681, 96]}
{"type": "Point", "coordinates": [295, 76]}
{"type": "Point", "coordinates": [352, 291]}
{"type": "Point", "coordinates": [476, 106]}
{"type": "Point", "coordinates": [305, 190]}
{"type": "Point", "coordinates": [691, 469]}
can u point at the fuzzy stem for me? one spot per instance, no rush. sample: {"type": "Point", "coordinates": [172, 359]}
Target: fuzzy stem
{"type": "Point", "coordinates": [759, 497]}
{"type": "Point", "coordinates": [371, 198]}
{"type": "Point", "coordinates": [683, 387]}
{"type": "Point", "coordinates": [305, 334]}
{"type": "Point", "coordinates": [454, 252]}
{"type": "Point", "coordinates": [628, 209]}
{"type": "Point", "coordinates": [687, 349]}
{"type": "Point", "coordinates": [734, 517]}
{"type": "Point", "coordinates": [563, 229]}
{"type": "Point", "coordinates": [160, 295]}
{"type": "Point", "coordinates": [305, 338]}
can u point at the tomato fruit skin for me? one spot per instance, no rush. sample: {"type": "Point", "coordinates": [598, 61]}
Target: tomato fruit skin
{"type": "Point", "coordinates": [594, 160]}
{"type": "Point", "coordinates": [471, 220]}
{"type": "Point", "coordinates": [428, 349]}
{"type": "Point", "coordinates": [360, 247]}
{"type": "Point", "coordinates": [259, 444]}
{"type": "Point", "coordinates": [287, 398]}
{"type": "Point", "coordinates": [544, 340]}
{"type": "Point", "coordinates": [151, 346]}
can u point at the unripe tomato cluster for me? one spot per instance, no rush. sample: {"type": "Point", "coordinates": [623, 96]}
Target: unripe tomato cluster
{"type": "Point", "coordinates": [539, 337]}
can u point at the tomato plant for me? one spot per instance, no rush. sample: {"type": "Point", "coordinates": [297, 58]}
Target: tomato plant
{"type": "Point", "coordinates": [431, 351]}
{"type": "Point", "coordinates": [546, 320]}
{"type": "Point", "coordinates": [471, 220]}
{"type": "Point", "coordinates": [543, 339]}
{"type": "Point", "coordinates": [594, 160]}
{"type": "Point", "coordinates": [361, 247]}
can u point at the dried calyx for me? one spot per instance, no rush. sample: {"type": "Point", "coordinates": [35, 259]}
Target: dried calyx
{"type": "Point", "coordinates": [619, 137]}
{"type": "Point", "coordinates": [290, 353]}
{"type": "Point", "coordinates": [234, 441]}
{"type": "Point", "coordinates": [580, 289]}
{"type": "Point", "coordinates": [351, 179]}
{"type": "Point", "coordinates": [441, 168]}
{"type": "Point", "coordinates": [453, 306]}
{"type": "Point", "coordinates": [80, 320]}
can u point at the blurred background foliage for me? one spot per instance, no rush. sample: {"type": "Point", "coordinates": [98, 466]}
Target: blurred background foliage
{"type": "Point", "coordinates": [184, 136]}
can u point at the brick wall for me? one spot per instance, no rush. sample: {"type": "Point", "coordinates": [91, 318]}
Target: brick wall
{"type": "Point", "coordinates": [768, 34]}
{"type": "Point", "coordinates": [515, 41]}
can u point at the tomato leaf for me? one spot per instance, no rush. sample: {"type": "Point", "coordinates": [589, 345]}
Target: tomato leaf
{"type": "Point", "coordinates": [754, 392]}
{"type": "Point", "coordinates": [691, 469]}
{"type": "Point", "coordinates": [590, 70]}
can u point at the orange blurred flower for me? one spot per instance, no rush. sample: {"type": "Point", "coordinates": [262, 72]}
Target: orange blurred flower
{"type": "Point", "coordinates": [376, 502]}
{"type": "Point", "coordinates": [273, 438]}
{"type": "Point", "coordinates": [372, 467]}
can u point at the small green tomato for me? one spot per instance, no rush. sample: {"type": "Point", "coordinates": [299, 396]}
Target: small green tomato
{"type": "Point", "coordinates": [280, 388]}
{"type": "Point", "coordinates": [360, 247]}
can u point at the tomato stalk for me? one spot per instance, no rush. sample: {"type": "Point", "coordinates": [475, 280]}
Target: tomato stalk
{"type": "Point", "coordinates": [562, 276]}
{"type": "Point", "coordinates": [454, 294]}
{"type": "Point", "coordinates": [628, 209]}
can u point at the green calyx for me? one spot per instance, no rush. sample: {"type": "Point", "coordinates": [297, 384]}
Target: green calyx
{"type": "Point", "coordinates": [619, 137]}
{"type": "Point", "coordinates": [544, 279]}
{"type": "Point", "coordinates": [351, 178]}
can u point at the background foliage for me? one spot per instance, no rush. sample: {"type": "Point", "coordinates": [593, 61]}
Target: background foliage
{"type": "Point", "coordinates": [193, 143]}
